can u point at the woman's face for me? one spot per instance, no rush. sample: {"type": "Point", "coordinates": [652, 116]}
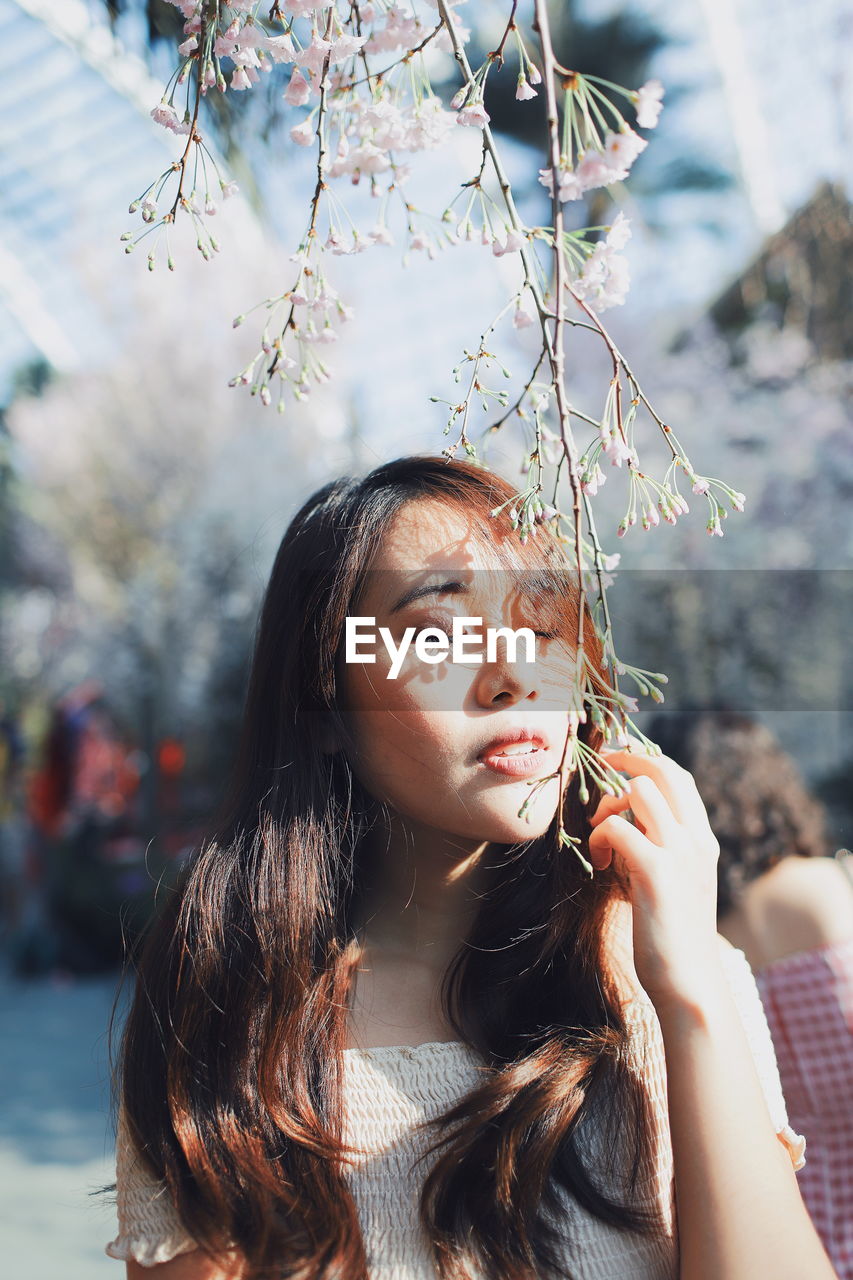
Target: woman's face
{"type": "Point", "coordinates": [421, 739]}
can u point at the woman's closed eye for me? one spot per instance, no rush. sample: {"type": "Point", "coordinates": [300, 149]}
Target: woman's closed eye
{"type": "Point", "coordinates": [444, 624]}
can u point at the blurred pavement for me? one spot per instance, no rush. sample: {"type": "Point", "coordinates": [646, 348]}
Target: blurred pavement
{"type": "Point", "coordinates": [56, 1143]}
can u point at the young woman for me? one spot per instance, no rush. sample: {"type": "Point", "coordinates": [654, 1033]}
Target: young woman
{"type": "Point", "coordinates": [387, 1028]}
{"type": "Point", "coordinates": [789, 907]}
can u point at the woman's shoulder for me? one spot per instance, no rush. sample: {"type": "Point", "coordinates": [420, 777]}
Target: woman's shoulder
{"type": "Point", "coordinates": [799, 905]}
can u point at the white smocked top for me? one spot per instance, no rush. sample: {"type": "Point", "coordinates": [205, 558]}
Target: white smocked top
{"type": "Point", "coordinates": [389, 1090]}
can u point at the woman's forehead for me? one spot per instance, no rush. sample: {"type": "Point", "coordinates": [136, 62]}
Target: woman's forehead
{"type": "Point", "coordinates": [427, 534]}
{"type": "Point", "coordinates": [432, 550]}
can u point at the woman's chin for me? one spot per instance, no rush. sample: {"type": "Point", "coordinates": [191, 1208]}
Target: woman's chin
{"type": "Point", "coordinates": [508, 828]}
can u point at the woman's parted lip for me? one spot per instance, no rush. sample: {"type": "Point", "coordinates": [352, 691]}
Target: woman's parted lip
{"type": "Point", "coordinates": [511, 738]}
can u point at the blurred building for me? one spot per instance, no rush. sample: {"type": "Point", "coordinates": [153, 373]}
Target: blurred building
{"type": "Point", "coordinates": [786, 74]}
{"type": "Point", "coordinates": [764, 90]}
{"type": "Point", "coordinates": [75, 139]}
{"type": "Point", "coordinates": [802, 279]}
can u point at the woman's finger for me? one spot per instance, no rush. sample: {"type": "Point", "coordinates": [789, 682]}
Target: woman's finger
{"type": "Point", "coordinates": [610, 804]}
{"type": "Point", "coordinates": [616, 835]}
{"type": "Point", "coordinates": [649, 807]}
{"type": "Point", "coordinates": [675, 783]}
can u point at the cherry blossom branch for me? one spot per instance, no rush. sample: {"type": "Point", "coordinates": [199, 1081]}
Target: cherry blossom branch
{"type": "Point", "coordinates": [497, 55]}
{"type": "Point", "coordinates": [363, 125]}
{"type": "Point", "coordinates": [556, 349]}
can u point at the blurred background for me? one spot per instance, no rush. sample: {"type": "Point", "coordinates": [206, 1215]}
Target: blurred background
{"type": "Point", "coordinates": [141, 500]}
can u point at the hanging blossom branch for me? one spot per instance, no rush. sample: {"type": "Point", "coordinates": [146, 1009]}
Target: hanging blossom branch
{"type": "Point", "coordinates": [360, 70]}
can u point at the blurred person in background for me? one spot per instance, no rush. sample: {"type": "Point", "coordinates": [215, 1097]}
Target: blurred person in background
{"type": "Point", "coordinates": [12, 842]}
{"type": "Point", "coordinates": [787, 904]}
{"type": "Point", "coordinates": [80, 800]}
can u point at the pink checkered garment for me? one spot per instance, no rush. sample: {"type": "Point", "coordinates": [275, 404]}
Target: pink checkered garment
{"type": "Point", "coordinates": [808, 999]}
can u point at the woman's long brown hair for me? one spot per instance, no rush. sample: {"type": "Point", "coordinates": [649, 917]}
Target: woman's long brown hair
{"type": "Point", "coordinates": [231, 1066]}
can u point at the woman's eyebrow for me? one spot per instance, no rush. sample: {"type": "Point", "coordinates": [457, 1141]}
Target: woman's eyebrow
{"type": "Point", "coordinates": [452, 587]}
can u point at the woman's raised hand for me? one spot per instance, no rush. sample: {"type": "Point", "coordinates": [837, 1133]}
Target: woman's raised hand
{"type": "Point", "coordinates": [669, 856]}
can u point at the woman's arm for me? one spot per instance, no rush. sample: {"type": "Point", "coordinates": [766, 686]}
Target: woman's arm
{"type": "Point", "coordinates": [740, 1212]}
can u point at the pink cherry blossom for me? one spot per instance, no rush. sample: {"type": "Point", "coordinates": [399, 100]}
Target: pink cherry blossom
{"type": "Point", "coordinates": [596, 283]}
{"type": "Point", "coordinates": [313, 57]}
{"type": "Point", "coordinates": [345, 46]}
{"type": "Point", "coordinates": [298, 90]}
{"type": "Point", "coordinates": [335, 244]}
{"type": "Point", "coordinates": [301, 8]}
{"type": "Point", "coordinates": [475, 115]}
{"type": "Point", "coordinates": [443, 42]}
{"type": "Point", "coordinates": [340, 164]}
{"type": "Point", "coordinates": [386, 125]}
{"type": "Point", "coordinates": [604, 279]}
{"type": "Point", "coordinates": [428, 126]}
{"type": "Point", "coordinates": [615, 448]}
{"type": "Point", "coordinates": [401, 30]}
{"type": "Point", "coordinates": [280, 48]}
{"type": "Point", "coordinates": [325, 295]}
{"type": "Point", "coordinates": [522, 318]}
{"type": "Point", "coordinates": [524, 91]}
{"type": "Point", "coordinates": [570, 186]}
{"type": "Point", "coordinates": [649, 105]}
{"type": "Point", "coordinates": [250, 36]}
{"type": "Point", "coordinates": [594, 171]}
{"type": "Point", "coordinates": [619, 233]}
{"type": "Point", "coordinates": [165, 114]}
{"type": "Point", "coordinates": [240, 79]}
{"type": "Point", "coordinates": [623, 148]}
{"type": "Point", "coordinates": [369, 159]}
{"type": "Point", "coordinates": [591, 481]}
{"type": "Point", "coordinates": [303, 134]}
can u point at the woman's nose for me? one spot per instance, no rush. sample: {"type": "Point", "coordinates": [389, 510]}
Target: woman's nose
{"type": "Point", "coordinates": [510, 675]}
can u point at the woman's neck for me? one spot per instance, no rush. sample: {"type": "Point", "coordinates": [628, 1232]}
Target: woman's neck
{"type": "Point", "coordinates": [425, 896]}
